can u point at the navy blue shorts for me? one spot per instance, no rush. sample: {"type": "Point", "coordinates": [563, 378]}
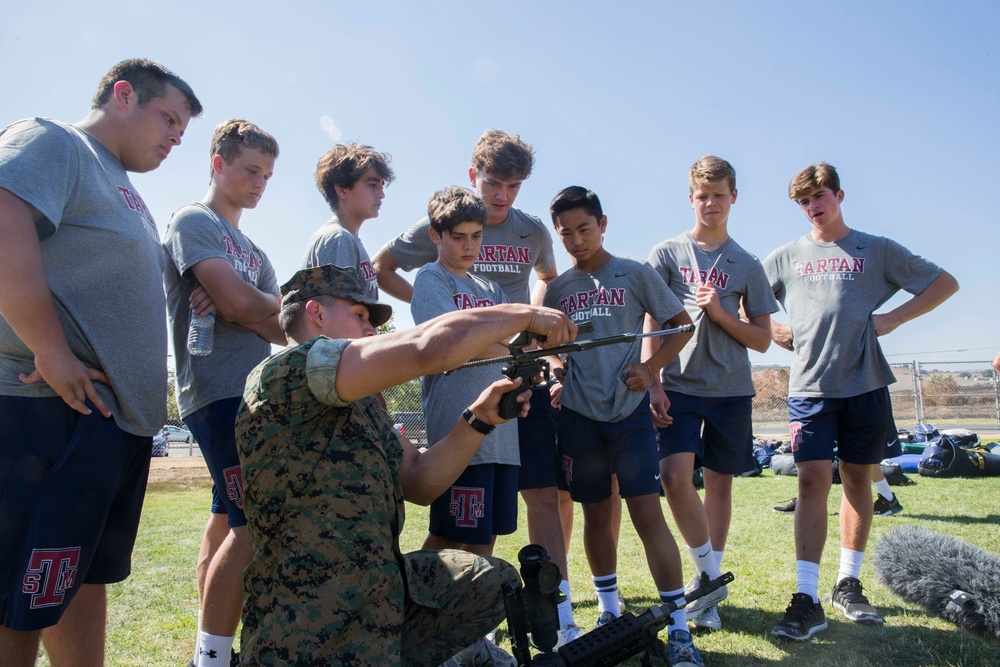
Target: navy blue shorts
{"type": "Point", "coordinates": [71, 492]}
{"type": "Point", "coordinates": [480, 504]}
{"type": "Point", "coordinates": [857, 426]}
{"type": "Point", "coordinates": [214, 427]}
{"type": "Point", "coordinates": [893, 448]}
{"type": "Point", "coordinates": [592, 450]}
{"type": "Point", "coordinates": [719, 431]}
{"type": "Point", "coordinates": [536, 436]}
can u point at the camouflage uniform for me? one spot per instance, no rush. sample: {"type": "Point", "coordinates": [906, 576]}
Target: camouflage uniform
{"type": "Point", "coordinates": [328, 584]}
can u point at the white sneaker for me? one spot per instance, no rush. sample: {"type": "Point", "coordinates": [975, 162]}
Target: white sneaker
{"type": "Point", "coordinates": [715, 597]}
{"type": "Point", "coordinates": [482, 653]}
{"type": "Point", "coordinates": [568, 633]}
{"type": "Point", "coordinates": [707, 619]}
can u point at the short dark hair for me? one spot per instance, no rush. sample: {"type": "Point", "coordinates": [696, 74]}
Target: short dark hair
{"type": "Point", "coordinates": [292, 317]}
{"type": "Point", "coordinates": [576, 196]}
{"type": "Point", "coordinates": [344, 164]}
{"type": "Point", "coordinates": [149, 79]}
{"type": "Point", "coordinates": [452, 206]}
{"type": "Point", "coordinates": [232, 136]}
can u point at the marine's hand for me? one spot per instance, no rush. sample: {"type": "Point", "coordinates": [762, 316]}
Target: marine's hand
{"type": "Point", "coordinates": [553, 325]}
{"type": "Point", "coordinates": [637, 376]}
{"type": "Point", "coordinates": [659, 405]}
{"type": "Point", "coordinates": [707, 298]}
{"type": "Point", "coordinates": [487, 406]}
{"type": "Point", "coordinates": [71, 379]}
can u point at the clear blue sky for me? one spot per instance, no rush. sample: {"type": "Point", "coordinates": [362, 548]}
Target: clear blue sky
{"type": "Point", "coordinates": [902, 97]}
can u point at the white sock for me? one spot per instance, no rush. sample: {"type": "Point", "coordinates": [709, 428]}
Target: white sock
{"type": "Point", "coordinates": [606, 587]}
{"type": "Point", "coordinates": [565, 607]}
{"type": "Point", "coordinates": [213, 650]}
{"type": "Point", "coordinates": [883, 488]}
{"type": "Point", "coordinates": [850, 564]}
{"type": "Point", "coordinates": [197, 636]}
{"type": "Point", "coordinates": [807, 579]}
{"type": "Point", "coordinates": [678, 619]}
{"type": "Point", "coordinates": [704, 559]}
{"type": "Point", "coordinates": [718, 559]}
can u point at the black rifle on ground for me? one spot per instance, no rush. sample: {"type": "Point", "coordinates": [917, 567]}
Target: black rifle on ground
{"type": "Point", "coordinates": [608, 645]}
{"type": "Point", "coordinates": [533, 368]}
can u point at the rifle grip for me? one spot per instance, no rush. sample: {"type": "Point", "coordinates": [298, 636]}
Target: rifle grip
{"type": "Point", "coordinates": [509, 407]}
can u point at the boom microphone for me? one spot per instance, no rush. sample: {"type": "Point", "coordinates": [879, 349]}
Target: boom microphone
{"type": "Point", "coordinates": [948, 577]}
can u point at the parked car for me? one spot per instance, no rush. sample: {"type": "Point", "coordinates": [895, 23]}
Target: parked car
{"type": "Point", "coordinates": [160, 447]}
{"type": "Point", "coordinates": [176, 434]}
{"type": "Point", "coordinates": [412, 425]}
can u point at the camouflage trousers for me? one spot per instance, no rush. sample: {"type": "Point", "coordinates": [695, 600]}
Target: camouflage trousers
{"type": "Point", "coordinates": [453, 599]}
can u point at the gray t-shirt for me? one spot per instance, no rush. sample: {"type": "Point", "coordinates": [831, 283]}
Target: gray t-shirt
{"type": "Point", "coordinates": [101, 254]}
{"type": "Point", "coordinates": [615, 299]}
{"type": "Point", "coordinates": [830, 291]}
{"type": "Point", "coordinates": [510, 250]}
{"type": "Point", "coordinates": [713, 364]}
{"type": "Point", "coordinates": [332, 244]}
{"type": "Point", "coordinates": [445, 397]}
{"type": "Point", "coordinates": [196, 233]}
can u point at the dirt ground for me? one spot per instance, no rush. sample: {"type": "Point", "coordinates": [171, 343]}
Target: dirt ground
{"type": "Point", "coordinates": [183, 471]}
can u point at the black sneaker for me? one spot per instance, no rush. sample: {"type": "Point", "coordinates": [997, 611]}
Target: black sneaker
{"type": "Point", "coordinates": [885, 507]}
{"type": "Point", "coordinates": [849, 597]}
{"type": "Point", "coordinates": [787, 507]}
{"type": "Point", "coordinates": [803, 618]}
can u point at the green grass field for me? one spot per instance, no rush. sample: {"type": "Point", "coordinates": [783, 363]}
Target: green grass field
{"type": "Point", "coordinates": [152, 615]}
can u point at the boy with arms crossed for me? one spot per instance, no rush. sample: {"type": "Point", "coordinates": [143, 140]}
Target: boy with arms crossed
{"type": "Point", "coordinates": [352, 179]}
{"type": "Point", "coordinates": [212, 265]}
{"type": "Point", "coordinates": [830, 282]}
{"type": "Point", "coordinates": [604, 420]}
{"type": "Point", "coordinates": [82, 343]}
{"type": "Point", "coordinates": [703, 406]}
{"type": "Point", "coordinates": [514, 244]}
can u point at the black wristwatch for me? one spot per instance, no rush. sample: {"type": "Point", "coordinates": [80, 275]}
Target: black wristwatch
{"type": "Point", "coordinates": [476, 423]}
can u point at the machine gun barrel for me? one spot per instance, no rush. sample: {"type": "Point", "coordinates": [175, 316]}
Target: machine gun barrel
{"type": "Point", "coordinates": [577, 346]}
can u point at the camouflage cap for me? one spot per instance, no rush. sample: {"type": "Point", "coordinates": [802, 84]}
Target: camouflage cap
{"type": "Point", "coordinates": [338, 281]}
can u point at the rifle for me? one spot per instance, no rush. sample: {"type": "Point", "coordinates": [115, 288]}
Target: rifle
{"type": "Point", "coordinates": [608, 645]}
{"type": "Point", "coordinates": [531, 365]}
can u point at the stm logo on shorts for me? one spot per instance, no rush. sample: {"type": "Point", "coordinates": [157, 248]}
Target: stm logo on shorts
{"type": "Point", "coordinates": [567, 466]}
{"type": "Point", "coordinates": [50, 573]}
{"type": "Point", "coordinates": [467, 505]}
{"type": "Point", "coordinates": [795, 432]}
{"type": "Point", "coordinates": [234, 484]}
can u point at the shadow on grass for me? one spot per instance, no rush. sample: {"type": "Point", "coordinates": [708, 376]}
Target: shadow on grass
{"type": "Point", "coordinates": [993, 519]}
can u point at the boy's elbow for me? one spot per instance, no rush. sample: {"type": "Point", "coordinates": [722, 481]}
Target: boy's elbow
{"type": "Point", "coordinates": [950, 283]}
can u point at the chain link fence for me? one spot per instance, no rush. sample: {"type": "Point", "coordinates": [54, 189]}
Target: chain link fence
{"type": "Point", "coordinates": [948, 394]}
{"type": "Point", "coordinates": [958, 394]}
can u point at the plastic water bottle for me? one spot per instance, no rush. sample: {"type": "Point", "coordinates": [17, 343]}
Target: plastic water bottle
{"type": "Point", "coordinates": [201, 333]}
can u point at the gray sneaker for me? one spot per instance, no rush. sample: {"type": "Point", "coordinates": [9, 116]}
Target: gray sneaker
{"type": "Point", "coordinates": [681, 651]}
{"type": "Point", "coordinates": [708, 619]}
{"type": "Point", "coordinates": [605, 618]}
{"type": "Point", "coordinates": [849, 598]}
{"type": "Point", "coordinates": [715, 597]}
{"type": "Point", "coordinates": [482, 653]}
